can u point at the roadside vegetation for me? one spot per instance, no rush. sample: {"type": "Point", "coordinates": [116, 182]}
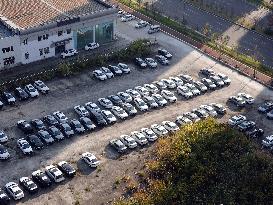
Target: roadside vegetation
{"type": "Point", "coordinates": [138, 48]}
{"type": "Point", "coordinates": [203, 35]}
{"type": "Point", "coordinates": [205, 163]}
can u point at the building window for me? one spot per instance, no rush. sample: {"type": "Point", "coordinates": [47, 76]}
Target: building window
{"type": "Point", "coordinates": [9, 61]}
{"type": "Point", "coordinates": [68, 31]}
{"type": "Point", "coordinates": [25, 41]}
{"type": "Point", "coordinates": [46, 50]}
{"type": "Point", "coordinates": [45, 36]}
{"type": "Point", "coordinates": [41, 52]}
{"type": "Point", "coordinates": [27, 55]}
{"type": "Point", "coordinates": [39, 38]}
{"type": "Point", "coordinates": [60, 33]}
{"type": "Point", "coordinates": [8, 49]}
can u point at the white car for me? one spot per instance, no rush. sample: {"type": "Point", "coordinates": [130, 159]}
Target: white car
{"type": "Point", "coordinates": [193, 89]}
{"type": "Point", "coordinates": [69, 53]}
{"type": "Point", "coordinates": [160, 130]}
{"type": "Point", "coordinates": [269, 115]}
{"type": "Point", "coordinates": [200, 86]}
{"type": "Point", "coordinates": [105, 103]}
{"type": "Point", "coordinates": [170, 126]}
{"type": "Point", "coordinates": [248, 98]}
{"type": "Point", "coordinates": [210, 110]}
{"type": "Point", "coordinates": [28, 184]}
{"type": "Point", "coordinates": [177, 81]}
{"type": "Point", "coordinates": [3, 137]}
{"type": "Point", "coordinates": [60, 117]}
{"type": "Point", "coordinates": [169, 83]}
{"type": "Point", "coordinates": [107, 72]}
{"type": "Point", "coordinates": [192, 116]}
{"type": "Point", "coordinates": [125, 97]}
{"type": "Point", "coordinates": [124, 67]}
{"type": "Point", "coordinates": [224, 78]}
{"type": "Point", "coordinates": [160, 100]}
{"type": "Point", "coordinates": [127, 17]}
{"type": "Point", "coordinates": [169, 96]}
{"type": "Point", "coordinates": [151, 62]}
{"type": "Point", "coordinates": [149, 134]}
{"type": "Point", "coordinates": [14, 191]}
{"type": "Point", "coordinates": [184, 91]}
{"type": "Point", "coordinates": [81, 111]}
{"type": "Point", "coordinates": [90, 159]}
{"type": "Point", "coordinates": [119, 112]}
{"type": "Point", "coordinates": [128, 141]}
{"type": "Point", "coordinates": [33, 92]}
{"type": "Point", "coordinates": [217, 80]}
{"type": "Point", "coordinates": [142, 91]}
{"type": "Point", "coordinates": [99, 75]}
{"type": "Point", "coordinates": [161, 85]}
{"type": "Point", "coordinates": [92, 106]}
{"type": "Point", "coordinates": [54, 173]}
{"type": "Point", "coordinates": [91, 46]}
{"type": "Point", "coordinates": [109, 117]}
{"type": "Point", "coordinates": [139, 138]}
{"type": "Point", "coordinates": [182, 120]}
{"type": "Point", "coordinates": [4, 154]}
{"type": "Point", "coordinates": [24, 146]}
{"type": "Point", "coordinates": [150, 101]}
{"type": "Point", "coordinates": [121, 13]}
{"type": "Point", "coordinates": [185, 78]}
{"type": "Point", "coordinates": [41, 86]}
{"type": "Point", "coordinates": [130, 109]}
{"type": "Point", "coordinates": [141, 105]}
{"type": "Point", "coordinates": [133, 93]}
{"type": "Point", "coordinates": [268, 141]}
{"type": "Point", "coordinates": [141, 24]}
{"type": "Point", "coordinates": [151, 88]}
{"type": "Point", "coordinates": [236, 120]}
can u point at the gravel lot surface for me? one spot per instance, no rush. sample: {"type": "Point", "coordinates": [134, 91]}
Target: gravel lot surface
{"type": "Point", "coordinates": [96, 187]}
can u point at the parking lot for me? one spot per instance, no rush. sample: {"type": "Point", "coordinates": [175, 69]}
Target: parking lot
{"type": "Point", "coordinates": [66, 93]}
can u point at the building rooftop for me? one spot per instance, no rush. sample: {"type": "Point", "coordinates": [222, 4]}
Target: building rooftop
{"type": "Point", "coordinates": [24, 14]}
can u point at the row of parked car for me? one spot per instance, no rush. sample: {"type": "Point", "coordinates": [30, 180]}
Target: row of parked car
{"type": "Point", "coordinates": [29, 91]}
{"type": "Point", "coordinates": [113, 108]}
{"type": "Point", "coordinates": [44, 178]}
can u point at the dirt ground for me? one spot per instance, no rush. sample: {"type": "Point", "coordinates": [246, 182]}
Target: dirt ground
{"type": "Point", "coordinates": [95, 187]}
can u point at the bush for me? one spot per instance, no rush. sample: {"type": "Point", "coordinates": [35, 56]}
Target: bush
{"type": "Point", "coordinates": [206, 163]}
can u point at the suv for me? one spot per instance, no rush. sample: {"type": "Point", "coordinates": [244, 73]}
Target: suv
{"type": "Point", "coordinates": [40, 85]}
{"type": "Point", "coordinates": [66, 129]}
{"type": "Point", "coordinates": [33, 92]}
{"type": "Point", "coordinates": [55, 133]}
{"type": "Point", "coordinates": [97, 118]}
{"type": "Point", "coordinates": [45, 137]}
{"type": "Point", "coordinates": [77, 126]}
{"type": "Point", "coordinates": [54, 173]}
{"type": "Point", "coordinates": [24, 126]}
{"type": "Point", "coordinates": [118, 145]}
{"type": "Point", "coordinates": [35, 142]}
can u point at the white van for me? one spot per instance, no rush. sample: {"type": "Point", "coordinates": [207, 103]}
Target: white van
{"type": "Point", "coordinates": [154, 29]}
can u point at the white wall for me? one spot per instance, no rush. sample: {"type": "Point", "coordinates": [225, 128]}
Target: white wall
{"type": "Point", "coordinates": [8, 42]}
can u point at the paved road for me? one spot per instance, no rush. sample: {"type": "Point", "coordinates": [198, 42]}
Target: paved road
{"type": "Point", "coordinates": [249, 42]}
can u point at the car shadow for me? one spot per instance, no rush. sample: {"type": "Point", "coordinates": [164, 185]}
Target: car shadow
{"type": "Point", "coordinates": [83, 168]}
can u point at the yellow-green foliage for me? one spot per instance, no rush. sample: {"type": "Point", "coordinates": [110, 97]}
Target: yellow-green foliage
{"type": "Point", "coordinates": [206, 163]}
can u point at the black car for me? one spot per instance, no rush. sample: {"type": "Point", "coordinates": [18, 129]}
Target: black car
{"type": "Point", "coordinates": [246, 125]}
{"type": "Point", "coordinates": [38, 124]}
{"type": "Point", "coordinates": [41, 178]}
{"type": "Point", "coordinates": [67, 169]}
{"type": "Point", "coordinates": [77, 126]}
{"type": "Point", "coordinates": [162, 60]}
{"type": "Point", "coordinates": [238, 101]}
{"type": "Point", "coordinates": [55, 133]}
{"type": "Point", "coordinates": [255, 133]}
{"type": "Point", "coordinates": [115, 69]}
{"type": "Point", "coordinates": [4, 199]}
{"type": "Point", "coordinates": [8, 98]}
{"type": "Point", "coordinates": [66, 129]}
{"type": "Point", "coordinates": [35, 142]}
{"type": "Point", "coordinates": [21, 93]}
{"type": "Point", "coordinates": [87, 123]}
{"type": "Point", "coordinates": [220, 109]}
{"type": "Point", "coordinates": [266, 107]}
{"type": "Point", "coordinates": [45, 137]}
{"type": "Point", "coordinates": [98, 118]}
{"type": "Point", "coordinates": [165, 53]}
{"type": "Point", "coordinates": [25, 126]}
{"type": "Point", "coordinates": [207, 72]}
{"type": "Point", "coordinates": [141, 63]}
{"type": "Point", "coordinates": [28, 185]}
{"type": "Point", "coordinates": [115, 99]}
{"type": "Point", "coordinates": [50, 120]}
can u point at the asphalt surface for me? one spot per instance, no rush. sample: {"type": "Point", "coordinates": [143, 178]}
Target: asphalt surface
{"type": "Point", "coordinates": [66, 93]}
{"type": "Point", "coordinates": [249, 42]}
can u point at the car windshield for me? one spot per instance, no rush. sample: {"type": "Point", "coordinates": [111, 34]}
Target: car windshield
{"type": "Point", "coordinates": [25, 146]}
{"type": "Point", "coordinates": [169, 94]}
{"type": "Point", "coordinates": [67, 128]}
{"type": "Point", "coordinates": [31, 89]}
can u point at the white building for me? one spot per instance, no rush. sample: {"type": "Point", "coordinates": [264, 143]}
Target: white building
{"type": "Point", "coordinates": [32, 30]}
